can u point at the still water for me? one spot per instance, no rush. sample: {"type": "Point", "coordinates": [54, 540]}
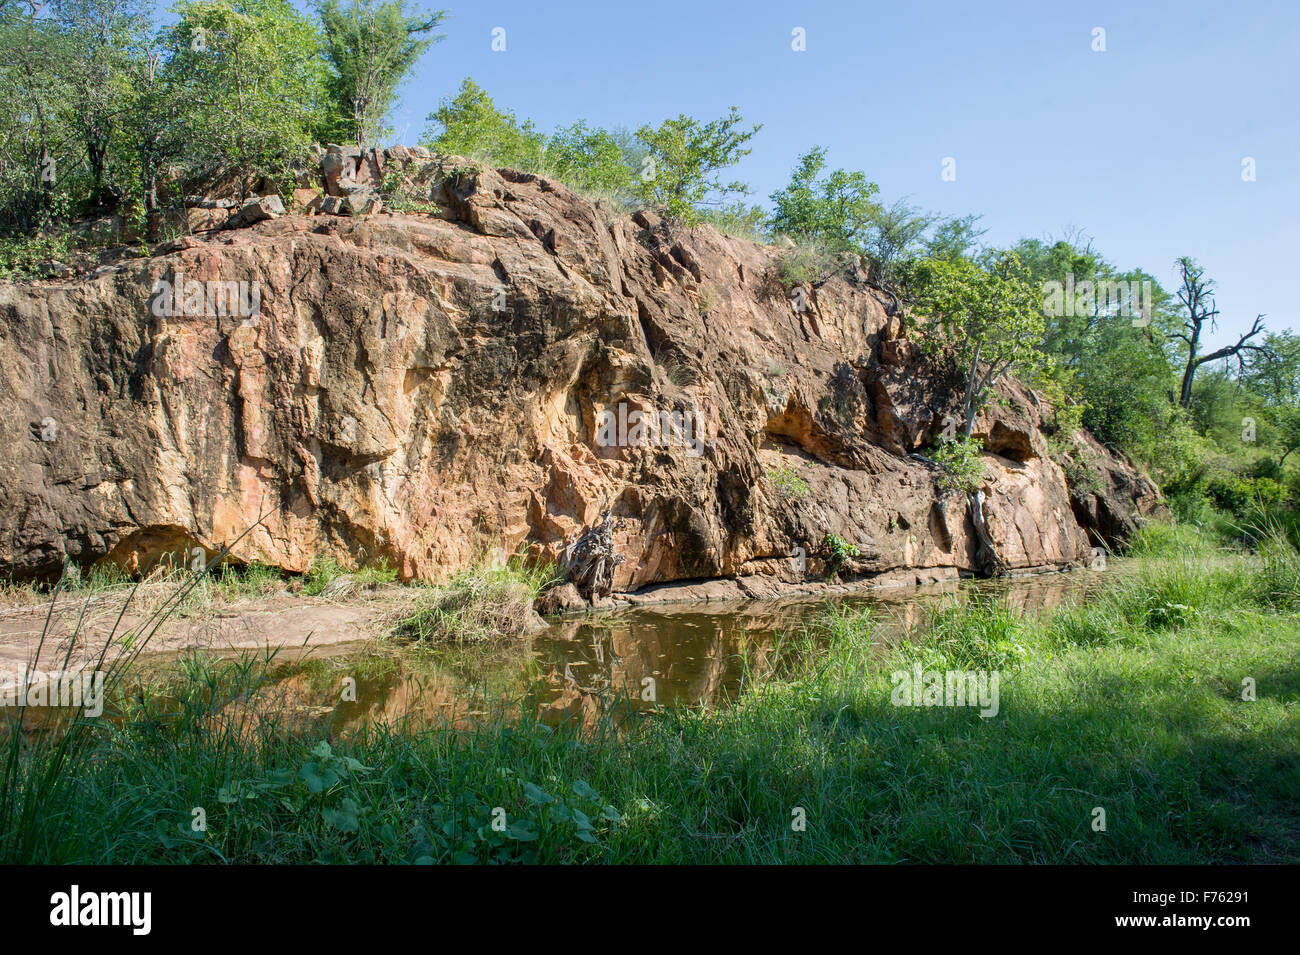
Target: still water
{"type": "Point", "coordinates": [580, 669]}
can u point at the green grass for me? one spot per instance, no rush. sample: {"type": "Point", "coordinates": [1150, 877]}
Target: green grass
{"type": "Point", "coordinates": [1131, 703]}
{"type": "Point", "coordinates": [481, 604]}
{"type": "Point", "coordinates": [324, 571]}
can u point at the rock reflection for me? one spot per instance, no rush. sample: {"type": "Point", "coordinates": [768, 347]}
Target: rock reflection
{"type": "Point", "coordinates": [595, 669]}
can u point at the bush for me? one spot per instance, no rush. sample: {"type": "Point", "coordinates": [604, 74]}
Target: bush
{"type": "Point", "coordinates": [1080, 477]}
{"type": "Point", "coordinates": [809, 264]}
{"type": "Point", "coordinates": [21, 256]}
{"type": "Point", "coordinates": [963, 461]}
{"type": "Point", "coordinates": [1240, 495]}
{"type": "Point", "coordinates": [836, 550]}
{"type": "Point", "coordinates": [479, 605]}
{"type": "Point", "coordinates": [788, 482]}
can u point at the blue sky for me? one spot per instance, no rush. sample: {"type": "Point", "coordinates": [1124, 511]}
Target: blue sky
{"type": "Point", "coordinates": [1141, 145]}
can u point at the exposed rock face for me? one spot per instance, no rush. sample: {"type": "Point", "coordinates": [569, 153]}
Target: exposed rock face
{"type": "Point", "coordinates": [424, 387]}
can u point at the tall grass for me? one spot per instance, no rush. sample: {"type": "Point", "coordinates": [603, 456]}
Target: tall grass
{"type": "Point", "coordinates": [480, 604]}
{"type": "Point", "coordinates": [44, 764]}
{"type": "Point", "coordinates": [1132, 702]}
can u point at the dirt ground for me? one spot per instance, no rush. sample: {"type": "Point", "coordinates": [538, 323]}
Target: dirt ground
{"type": "Point", "coordinates": [281, 620]}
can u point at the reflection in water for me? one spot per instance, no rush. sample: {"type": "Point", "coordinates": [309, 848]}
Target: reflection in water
{"type": "Point", "coordinates": [583, 669]}
{"type": "Point", "coordinates": [704, 654]}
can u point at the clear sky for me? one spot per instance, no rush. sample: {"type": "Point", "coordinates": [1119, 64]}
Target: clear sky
{"type": "Point", "coordinates": [1141, 146]}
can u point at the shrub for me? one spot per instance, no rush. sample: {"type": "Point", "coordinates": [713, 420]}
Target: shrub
{"type": "Point", "coordinates": [21, 256]}
{"type": "Point", "coordinates": [1081, 478]}
{"type": "Point", "coordinates": [786, 479]}
{"type": "Point", "coordinates": [962, 461]}
{"type": "Point", "coordinates": [401, 193]}
{"type": "Point", "coordinates": [809, 264]}
{"type": "Point", "coordinates": [479, 605]}
{"type": "Point", "coordinates": [835, 550]}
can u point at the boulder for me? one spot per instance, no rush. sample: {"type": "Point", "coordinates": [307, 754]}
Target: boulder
{"type": "Point", "coordinates": [255, 211]}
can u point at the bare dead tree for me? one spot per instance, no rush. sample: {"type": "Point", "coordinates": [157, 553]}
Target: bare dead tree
{"type": "Point", "coordinates": [590, 559]}
{"type": "Point", "coordinates": [1197, 296]}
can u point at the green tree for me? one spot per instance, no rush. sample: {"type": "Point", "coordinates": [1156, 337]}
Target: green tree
{"type": "Point", "coordinates": [104, 37]}
{"type": "Point", "coordinates": [988, 320]}
{"type": "Point", "coordinates": [250, 85]}
{"type": "Point", "coordinates": [151, 141]}
{"type": "Point", "coordinates": [836, 208]}
{"type": "Point", "coordinates": [371, 46]}
{"type": "Point", "coordinates": [36, 141]}
{"type": "Point", "coordinates": [588, 158]}
{"type": "Point", "coordinates": [897, 234]}
{"type": "Point", "coordinates": [954, 238]}
{"type": "Point", "coordinates": [1114, 360]}
{"type": "Point", "coordinates": [1272, 374]}
{"type": "Point", "coordinates": [683, 160]}
{"type": "Point", "coordinates": [471, 125]}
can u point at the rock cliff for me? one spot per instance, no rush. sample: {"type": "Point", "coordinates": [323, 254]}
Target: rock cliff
{"type": "Point", "coordinates": [426, 386]}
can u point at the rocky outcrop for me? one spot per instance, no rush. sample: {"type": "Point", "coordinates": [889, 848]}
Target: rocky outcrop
{"type": "Point", "coordinates": [503, 370]}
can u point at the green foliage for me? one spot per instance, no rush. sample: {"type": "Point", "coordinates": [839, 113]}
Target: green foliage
{"type": "Point", "coordinates": [738, 219]}
{"type": "Point", "coordinates": [975, 633]}
{"type": "Point", "coordinates": [835, 210]}
{"type": "Point", "coordinates": [252, 84]}
{"type": "Point", "coordinates": [586, 158]}
{"type": "Point", "coordinates": [809, 264]}
{"type": "Point", "coordinates": [897, 236]}
{"type": "Point", "coordinates": [1119, 371]}
{"type": "Point", "coordinates": [589, 159]}
{"type": "Point", "coordinates": [1081, 478]}
{"type": "Point", "coordinates": [1272, 377]}
{"type": "Point", "coordinates": [21, 256]}
{"type": "Point", "coordinates": [963, 461]}
{"type": "Point", "coordinates": [1161, 539]}
{"type": "Point", "coordinates": [371, 46]}
{"type": "Point", "coordinates": [954, 239]}
{"type": "Point", "coordinates": [325, 570]}
{"type": "Point", "coordinates": [1277, 583]}
{"type": "Point", "coordinates": [788, 481]}
{"type": "Point", "coordinates": [988, 319]}
{"type": "Point", "coordinates": [401, 194]}
{"type": "Point", "coordinates": [684, 157]}
{"type": "Point", "coordinates": [471, 125]}
{"type": "Point", "coordinates": [835, 550]}
{"type": "Point", "coordinates": [1239, 494]}
{"type": "Point", "coordinates": [253, 580]}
